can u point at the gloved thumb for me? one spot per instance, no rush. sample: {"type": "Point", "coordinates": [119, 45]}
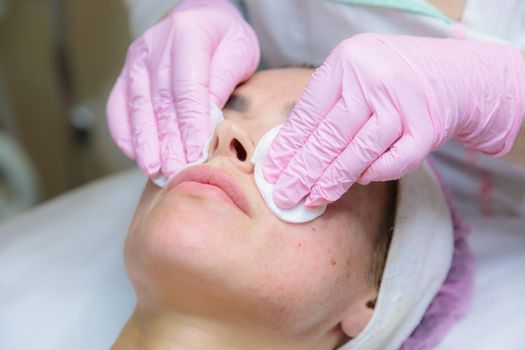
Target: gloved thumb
{"type": "Point", "coordinates": [230, 66]}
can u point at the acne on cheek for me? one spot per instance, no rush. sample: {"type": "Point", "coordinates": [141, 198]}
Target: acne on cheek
{"type": "Point", "coordinates": [319, 244]}
{"type": "Point", "coordinates": [304, 246]}
{"type": "Point", "coordinates": [340, 270]}
{"type": "Point", "coordinates": [337, 257]}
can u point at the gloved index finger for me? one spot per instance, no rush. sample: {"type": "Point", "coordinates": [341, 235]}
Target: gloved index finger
{"type": "Point", "coordinates": [143, 123]}
{"type": "Point", "coordinates": [172, 153]}
{"type": "Point", "coordinates": [320, 96]}
{"type": "Point", "coordinates": [322, 148]}
{"type": "Point", "coordinates": [192, 52]}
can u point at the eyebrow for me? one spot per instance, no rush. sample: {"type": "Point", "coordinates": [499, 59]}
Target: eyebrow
{"type": "Point", "coordinates": [238, 103]}
{"type": "Point", "coordinates": [288, 108]}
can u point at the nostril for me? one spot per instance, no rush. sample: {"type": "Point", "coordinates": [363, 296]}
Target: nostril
{"type": "Point", "coordinates": [236, 146]}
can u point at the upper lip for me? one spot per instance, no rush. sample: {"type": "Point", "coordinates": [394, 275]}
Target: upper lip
{"type": "Point", "coordinates": [215, 177]}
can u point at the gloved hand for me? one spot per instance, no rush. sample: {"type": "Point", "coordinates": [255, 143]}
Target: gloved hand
{"type": "Point", "coordinates": [379, 104]}
{"type": "Point", "coordinates": [159, 109]}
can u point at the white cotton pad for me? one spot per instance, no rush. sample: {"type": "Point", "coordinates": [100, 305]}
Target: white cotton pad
{"type": "Point", "coordinates": [216, 117]}
{"type": "Point", "coordinates": [298, 214]}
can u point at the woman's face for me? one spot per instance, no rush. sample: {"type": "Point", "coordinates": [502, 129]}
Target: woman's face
{"type": "Point", "coordinates": [198, 249]}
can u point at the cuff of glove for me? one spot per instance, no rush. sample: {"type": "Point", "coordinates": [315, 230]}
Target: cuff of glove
{"type": "Point", "coordinates": [519, 113]}
{"type": "Point", "coordinates": [224, 5]}
{"type": "Point", "coordinates": [499, 141]}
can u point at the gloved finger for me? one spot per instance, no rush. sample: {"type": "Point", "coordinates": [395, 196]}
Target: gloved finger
{"type": "Point", "coordinates": [322, 147]}
{"type": "Point", "coordinates": [172, 154]}
{"type": "Point", "coordinates": [118, 116]}
{"type": "Point", "coordinates": [415, 144]}
{"type": "Point", "coordinates": [143, 124]}
{"type": "Point", "coordinates": [232, 64]}
{"type": "Point", "coordinates": [404, 157]}
{"type": "Point", "coordinates": [191, 74]}
{"type": "Point", "coordinates": [376, 136]}
{"type": "Point", "coordinates": [321, 94]}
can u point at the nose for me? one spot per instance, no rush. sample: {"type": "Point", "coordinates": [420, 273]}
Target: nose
{"type": "Point", "coordinates": [231, 142]}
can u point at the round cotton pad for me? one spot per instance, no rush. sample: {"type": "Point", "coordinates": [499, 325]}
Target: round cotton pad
{"type": "Point", "coordinates": [216, 117]}
{"type": "Point", "coordinates": [298, 214]}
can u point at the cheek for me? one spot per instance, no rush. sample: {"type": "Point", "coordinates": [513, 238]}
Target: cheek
{"type": "Point", "coordinates": [174, 237]}
{"type": "Point", "coordinates": [302, 278]}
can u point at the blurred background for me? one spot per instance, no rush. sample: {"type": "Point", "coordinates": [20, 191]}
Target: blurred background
{"type": "Point", "coordinates": [58, 61]}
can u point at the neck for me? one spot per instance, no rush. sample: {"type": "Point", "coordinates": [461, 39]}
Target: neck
{"type": "Point", "coordinates": [176, 331]}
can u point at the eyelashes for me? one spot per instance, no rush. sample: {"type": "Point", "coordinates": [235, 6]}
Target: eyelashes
{"type": "Point", "coordinates": [238, 103]}
{"type": "Point", "coordinates": [288, 108]}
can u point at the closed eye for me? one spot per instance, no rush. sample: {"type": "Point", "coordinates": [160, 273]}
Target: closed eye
{"type": "Point", "coordinates": [238, 103]}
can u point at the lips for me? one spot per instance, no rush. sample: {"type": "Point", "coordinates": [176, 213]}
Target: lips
{"type": "Point", "coordinates": [215, 177]}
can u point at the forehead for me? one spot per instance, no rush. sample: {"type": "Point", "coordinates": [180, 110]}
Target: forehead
{"type": "Point", "coordinates": [275, 87]}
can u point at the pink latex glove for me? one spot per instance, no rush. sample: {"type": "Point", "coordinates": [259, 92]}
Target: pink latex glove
{"type": "Point", "coordinates": [379, 104]}
{"type": "Point", "coordinates": [159, 109]}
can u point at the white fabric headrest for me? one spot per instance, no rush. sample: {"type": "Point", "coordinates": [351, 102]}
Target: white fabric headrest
{"type": "Point", "coordinates": [418, 262]}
